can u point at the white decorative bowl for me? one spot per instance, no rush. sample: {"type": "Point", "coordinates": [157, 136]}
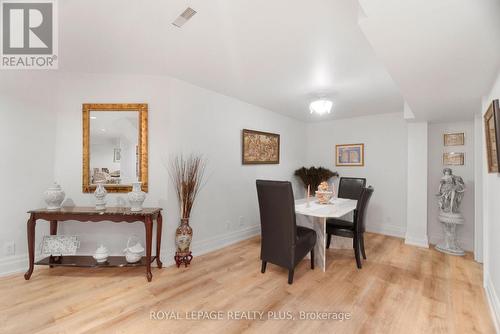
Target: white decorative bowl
{"type": "Point", "coordinates": [133, 254]}
{"type": "Point", "coordinates": [101, 254]}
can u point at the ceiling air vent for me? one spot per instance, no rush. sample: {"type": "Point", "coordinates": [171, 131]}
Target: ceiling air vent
{"type": "Point", "coordinates": [184, 17]}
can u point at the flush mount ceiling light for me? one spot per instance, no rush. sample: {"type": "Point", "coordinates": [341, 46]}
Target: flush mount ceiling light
{"type": "Point", "coordinates": [184, 17]}
{"type": "Point", "coordinates": [321, 106]}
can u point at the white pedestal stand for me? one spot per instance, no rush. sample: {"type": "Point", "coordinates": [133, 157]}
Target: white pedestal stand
{"type": "Point", "coordinates": [450, 244]}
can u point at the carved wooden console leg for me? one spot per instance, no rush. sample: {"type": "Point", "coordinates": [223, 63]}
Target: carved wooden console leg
{"type": "Point", "coordinates": [148, 223]}
{"type": "Point", "coordinates": [31, 246]}
{"type": "Point", "coordinates": [53, 227]}
{"type": "Point", "coordinates": [159, 223]}
{"type": "Point", "coordinates": [53, 230]}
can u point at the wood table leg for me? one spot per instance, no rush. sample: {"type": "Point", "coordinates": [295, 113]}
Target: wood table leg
{"type": "Point", "coordinates": [148, 223]}
{"type": "Point", "coordinates": [159, 223]}
{"type": "Point", "coordinates": [53, 231]}
{"type": "Point", "coordinates": [31, 246]}
{"type": "Point", "coordinates": [53, 227]}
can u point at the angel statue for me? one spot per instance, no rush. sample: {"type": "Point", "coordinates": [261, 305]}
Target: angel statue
{"type": "Point", "coordinates": [451, 191]}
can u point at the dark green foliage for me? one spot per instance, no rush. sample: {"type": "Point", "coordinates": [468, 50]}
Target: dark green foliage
{"type": "Point", "coordinates": [314, 176]}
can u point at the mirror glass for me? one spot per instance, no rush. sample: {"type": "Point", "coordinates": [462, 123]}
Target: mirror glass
{"type": "Point", "coordinates": [114, 147]}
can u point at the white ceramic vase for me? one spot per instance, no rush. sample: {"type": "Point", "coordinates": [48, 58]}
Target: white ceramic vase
{"type": "Point", "coordinates": [136, 197]}
{"type": "Point", "coordinates": [54, 196]}
{"type": "Point", "coordinates": [100, 195]}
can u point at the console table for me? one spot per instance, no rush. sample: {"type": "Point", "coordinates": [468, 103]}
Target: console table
{"type": "Point", "coordinates": [90, 214]}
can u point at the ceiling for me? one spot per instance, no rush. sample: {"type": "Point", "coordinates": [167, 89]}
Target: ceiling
{"type": "Point", "coordinates": [438, 56]}
{"type": "Point", "coordinates": [443, 55]}
{"type": "Point", "coordinates": [277, 54]}
{"type": "Point", "coordinates": [115, 125]}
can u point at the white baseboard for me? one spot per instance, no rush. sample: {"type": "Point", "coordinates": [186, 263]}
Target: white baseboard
{"type": "Point", "coordinates": [493, 302]}
{"type": "Point", "coordinates": [419, 242]}
{"type": "Point", "coordinates": [390, 230]}
{"type": "Point", "coordinates": [213, 244]}
{"type": "Point", "coordinates": [221, 241]}
{"type": "Point", "coordinates": [13, 264]}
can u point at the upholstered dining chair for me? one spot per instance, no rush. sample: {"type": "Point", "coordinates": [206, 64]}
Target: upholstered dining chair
{"type": "Point", "coordinates": [350, 187]}
{"type": "Point", "coordinates": [283, 242]}
{"type": "Point", "coordinates": [354, 229]}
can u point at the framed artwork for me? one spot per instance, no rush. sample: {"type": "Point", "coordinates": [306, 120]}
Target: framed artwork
{"type": "Point", "coordinates": [454, 139]}
{"type": "Point", "coordinates": [350, 155]}
{"type": "Point", "coordinates": [117, 155]}
{"type": "Point", "coordinates": [491, 130]}
{"type": "Point", "coordinates": [453, 159]}
{"type": "Point", "coordinates": [260, 147]}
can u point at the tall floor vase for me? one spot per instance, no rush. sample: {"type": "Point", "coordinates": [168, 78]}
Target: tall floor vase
{"type": "Point", "coordinates": [183, 238]}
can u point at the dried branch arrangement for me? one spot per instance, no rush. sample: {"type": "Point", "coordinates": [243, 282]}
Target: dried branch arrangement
{"type": "Point", "coordinates": [314, 176]}
{"type": "Point", "coordinates": [187, 176]}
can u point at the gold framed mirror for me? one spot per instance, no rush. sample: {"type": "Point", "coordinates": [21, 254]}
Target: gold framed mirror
{"type": "Point", "coordinates": [115, 146]}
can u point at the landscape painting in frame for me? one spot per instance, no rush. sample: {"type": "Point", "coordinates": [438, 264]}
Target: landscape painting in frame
{"type": "Point", "coordinates": [454, 139]}
{"type": "Point", "coordinates": [350, 155]}
{"type": "Point", "coordinates": [260, 147]}
{"type": "Point", "coordinates": [453, 159]}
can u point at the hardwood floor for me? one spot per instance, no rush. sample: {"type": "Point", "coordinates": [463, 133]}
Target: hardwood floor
{"type": "Point", "coordinates": [401, 289]}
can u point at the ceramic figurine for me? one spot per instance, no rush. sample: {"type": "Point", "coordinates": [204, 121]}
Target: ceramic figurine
{"type": "Point", "coordinates": [100, 195]}
{"type": "Point", "coordinates": [101, 254]}
{"type": "Point", "coordinates": [136, 197]}
{"type": "Point", "coordinates": [133, 253]}
{"type": "Point", "coordinates": [451, 193]}
{"type": "Point", "coordinates": [54, 196]}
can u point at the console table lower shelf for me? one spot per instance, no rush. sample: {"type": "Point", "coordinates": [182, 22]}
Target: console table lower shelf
{"type": "Point", "coordinates": [91, 216]}
{"type": "Point", "coordinates": [86, 261]}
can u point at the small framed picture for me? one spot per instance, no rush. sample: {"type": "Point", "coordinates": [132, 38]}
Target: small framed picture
{"type": "Point", "coordinates": [117, 155]}
{"type": "Point", "coordinates": [454, 139]}
{"type": "Point", "coordinates": [453, 159]}
{"type": "Point", "coordinates": [350, 155]}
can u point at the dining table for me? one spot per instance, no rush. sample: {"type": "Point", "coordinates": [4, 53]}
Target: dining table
{"type": "Point", "coordinates": [310, 213]}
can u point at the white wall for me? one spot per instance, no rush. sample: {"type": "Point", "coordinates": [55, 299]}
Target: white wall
{"type": "Point", "coordinates": [416, 215]}
{"type": "Point", "coordinates": [385, 139]}
{"type": "Point", "coordinates": [491, 219]}
{"type": "Point", "coordinates": [182, 118]}
{"type": "Point", "coordinates": [435, 163]}
{"type": "Point", "coordinates": [27, 138]}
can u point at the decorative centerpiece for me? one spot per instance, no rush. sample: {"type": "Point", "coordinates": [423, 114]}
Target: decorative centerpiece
{"type": "Point", "coordinates": [134, 250]}
{"type": "Point", "coordinates": [313, 176]}
{"type": "Point", "coordinates": [101, 254]}
{"type": "Point", "coordinates": [187, 177]}
{"type": "Point", "coordinates": [54, 196]}
{"type": "Point", "coordinates": [136, 197]}
{"type": "Point", "coordinates": [323, 194]}
{"type": "Point", "coordinates": [451, 193]}
{"type": "Point", "coordinates": [100, 195]}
